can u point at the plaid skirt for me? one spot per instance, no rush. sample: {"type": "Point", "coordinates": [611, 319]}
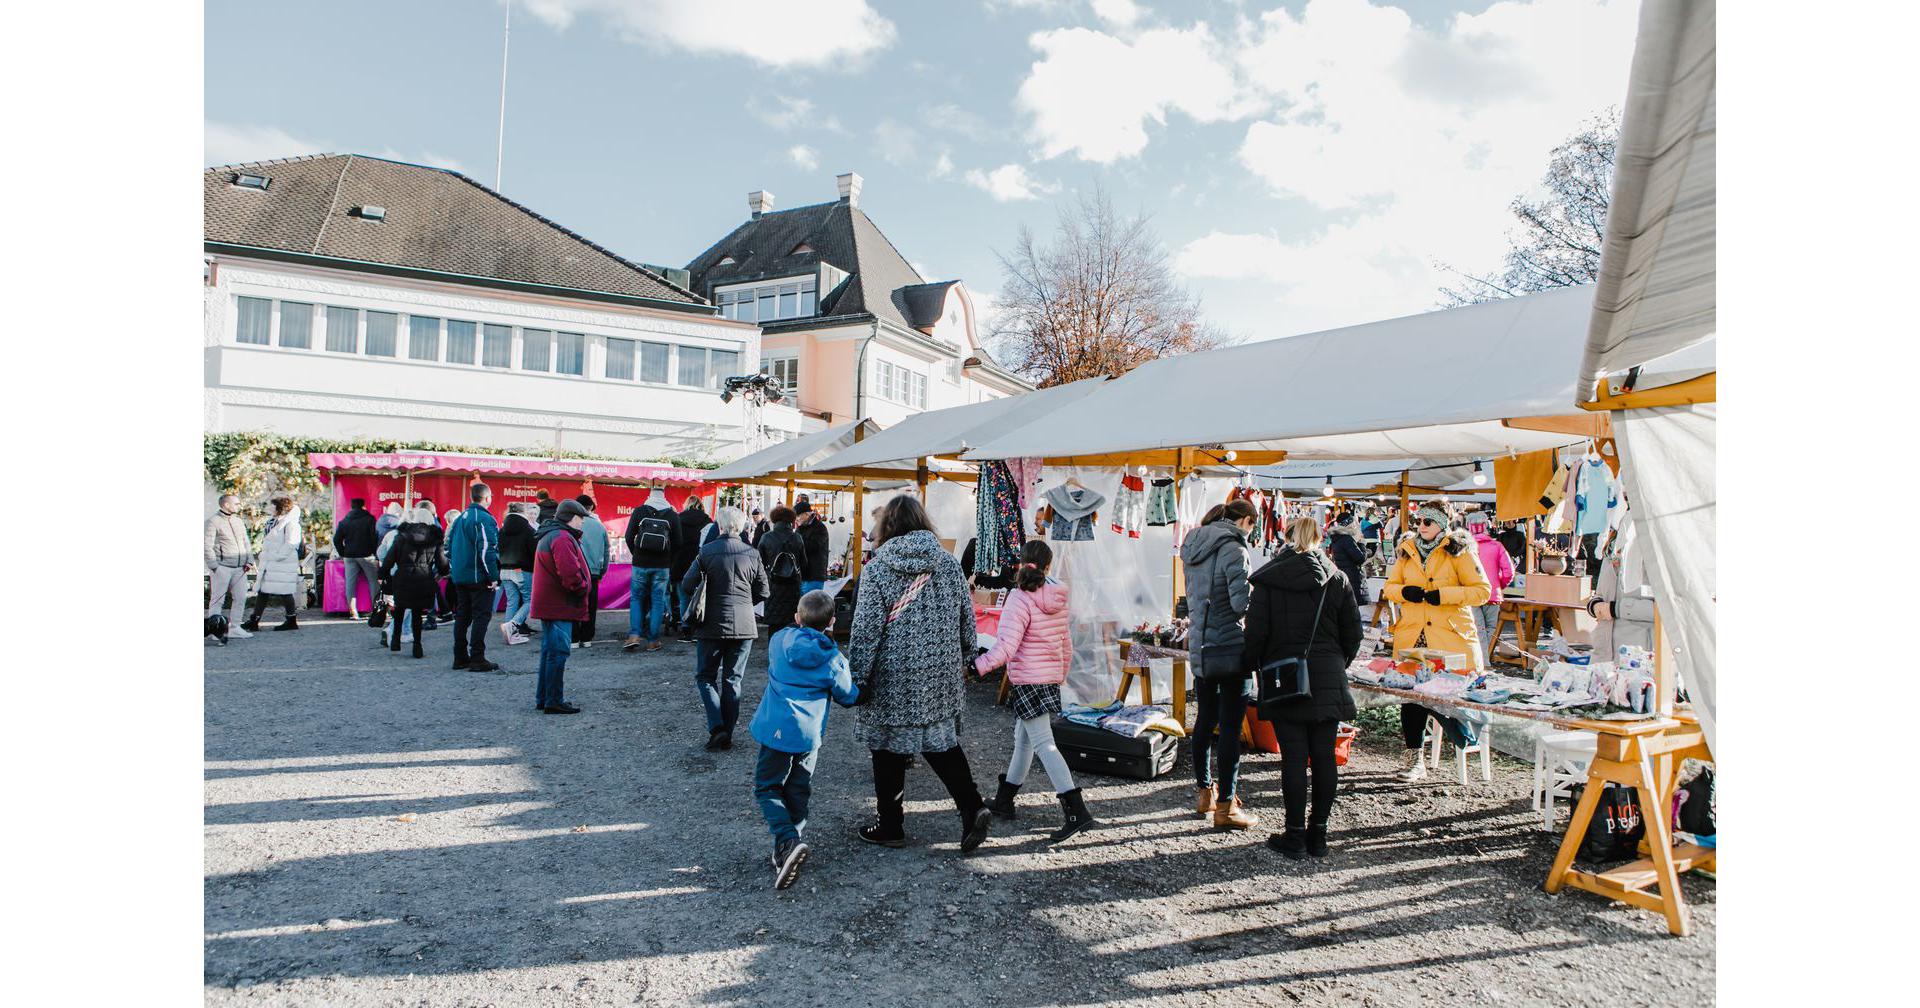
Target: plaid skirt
{"type": "Point", "coordinates": [1032, 701]}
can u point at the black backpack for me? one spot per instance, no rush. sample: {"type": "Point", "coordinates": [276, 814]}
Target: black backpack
{"type": "Point", "coordinates": [655, 534]}
{"type": "Point", "coordinates": [785, 566]}
{"type": "Point", "coordinates": [1616, 828]}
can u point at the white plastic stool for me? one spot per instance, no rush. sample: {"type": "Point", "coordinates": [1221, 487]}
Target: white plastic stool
{"type": "Point", "coordinates": [1560, 761]}
{"type": "Point", "coordinates": [1436, 735]}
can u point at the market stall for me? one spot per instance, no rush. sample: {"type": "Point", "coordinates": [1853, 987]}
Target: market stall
{"type": "Point", "coordinates": [406, 478]}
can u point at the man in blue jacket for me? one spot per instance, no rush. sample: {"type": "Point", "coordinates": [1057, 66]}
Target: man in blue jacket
{"type": "Point", "coordinates": [473, 553]}
{"type": "Point", "coordinates": [804, 668]}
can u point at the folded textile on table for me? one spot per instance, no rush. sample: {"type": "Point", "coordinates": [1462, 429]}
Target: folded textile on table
{"type": "Point", "coordinates": [1133, 719]}
{"type": "Point", "coordinates": [1443, 685]}
{"type": "Point", "coordinates": [1090, 716]}
{"type": "Point", "coordinates": [1486, 696]}
{"type": "Point", "coordinates": [1397, 680]}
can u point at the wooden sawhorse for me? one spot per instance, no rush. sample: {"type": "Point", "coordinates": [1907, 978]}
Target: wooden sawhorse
{"type": "Point", "coordinates": [1129, 673]}
{"type": "Point", "coordinates": [1644, 755]}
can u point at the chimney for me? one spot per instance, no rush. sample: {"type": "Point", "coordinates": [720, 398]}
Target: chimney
{"type": "Point", "coordinates": [849, 188]}
{"type": "Point", "coordinates": [760, 201]}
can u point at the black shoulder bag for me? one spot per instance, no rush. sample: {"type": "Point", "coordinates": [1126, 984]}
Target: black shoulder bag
{"type": "Point", "coordinates": [1284, 680]}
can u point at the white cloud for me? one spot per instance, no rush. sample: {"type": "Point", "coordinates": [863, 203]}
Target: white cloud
{"type": "Point", "coordinates": [777, 33]}
{"type": "Point", "coordinates": [1092, 94]}
{"type": "Point", "coordinates": [781, 112]}
{"type": "Point", "coordinates": [234, 143]}
{"type": "Point", "coordinates": [1119, 13]}
{"type": "Point", "coordinates": [1008, 183]}
{"type": "Point", "coordinates": [943, 165]}
{"type": "Point", "coordinates": [804, 156]}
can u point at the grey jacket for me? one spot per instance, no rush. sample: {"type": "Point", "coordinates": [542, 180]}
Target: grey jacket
{"type": "Point", "coordinates": [1216, 559]}
{"type": "Point", "coordinates": [1623, 585]}
{"type": "Point", "coordinates": [224, 542]}
{"type": "Point", "coordinates": [736, 579]}
{"type": "Point", "coordinates": [913, 668]}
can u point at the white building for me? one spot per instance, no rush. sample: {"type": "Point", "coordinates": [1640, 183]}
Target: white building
{"type": "Point", "coordinates": [355, 297]}
{"type": "Point", "coordinates": [847, 324]}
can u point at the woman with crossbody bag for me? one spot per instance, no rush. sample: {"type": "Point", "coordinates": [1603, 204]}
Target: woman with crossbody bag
{"type": "Point", "coordinates": [1215, 555]}
{"type": "Point", "coordinates": [911, 641]}
{"type": "Point", "coordinates": [1302, 608]}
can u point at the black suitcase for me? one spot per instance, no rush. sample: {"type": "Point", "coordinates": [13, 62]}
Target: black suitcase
{"type": "Point", "coordinates": [1090, 749]}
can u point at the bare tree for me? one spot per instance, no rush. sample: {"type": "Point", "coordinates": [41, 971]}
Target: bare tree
{"type": "Point", "coordinates": [1100, 300]}
{"type": "Point", "coordinates": [1560, 236]}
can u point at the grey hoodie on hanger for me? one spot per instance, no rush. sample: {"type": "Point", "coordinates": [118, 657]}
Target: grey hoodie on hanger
{"type": "Point", "coordinates": [1072, 513]}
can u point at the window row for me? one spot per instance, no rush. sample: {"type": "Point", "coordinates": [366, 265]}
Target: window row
{"type": "Point", "coordinates": [769, 302]}
{"type": "Point", "coordinates": [901, 385]}
{"type": "Point", "coordinates": [457, 341]}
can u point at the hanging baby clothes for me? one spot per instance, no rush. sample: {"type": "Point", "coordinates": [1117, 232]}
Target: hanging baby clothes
{"type": "Point", "coordinates": [1595, 496]}
{"type": "Point", "coordinates": [1130, 506]}
{"type": "Point", "coordinates": [1192, 508]}
{"type": "Point", "coordinates": [997, 515]}
{"type": "Point", "coordinates": [1026, 473]}
{"type": "Point", "coordinates": [1074, 512]}
{"type": "Point", "coordinates": [1162, 509]}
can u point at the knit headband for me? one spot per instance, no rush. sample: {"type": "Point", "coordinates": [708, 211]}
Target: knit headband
{"type": "Point", "coordinates": [1431, 513]}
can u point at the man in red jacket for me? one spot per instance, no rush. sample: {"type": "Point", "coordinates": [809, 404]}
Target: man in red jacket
{"type": "Point", "coordinates": [561, 579]}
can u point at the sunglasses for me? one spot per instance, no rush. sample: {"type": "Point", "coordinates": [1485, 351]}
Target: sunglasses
{"type": "Point", "coordinates": [1428, 521]}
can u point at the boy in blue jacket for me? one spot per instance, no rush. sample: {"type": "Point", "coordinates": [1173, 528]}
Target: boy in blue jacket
{"type": "Point", "coordinates": [804, 669]}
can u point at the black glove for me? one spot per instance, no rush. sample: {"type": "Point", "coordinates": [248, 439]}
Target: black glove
{"type": "Point", "coordinates": [1413, 593]}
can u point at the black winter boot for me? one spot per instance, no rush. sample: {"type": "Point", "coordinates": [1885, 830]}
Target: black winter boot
{"type": "Point", "coordinates": [1292, 843]}
{"type": "Point", "coordinates": [1073, 806]}
{"type": "Point", "coordinates": [1002, 803]}
{"type": "Point", "coordinates": [1317, 840]}
{"type": "Point", "coordinates": [290, 624]}
{"type": "Point", "coordinates": [251, 624]}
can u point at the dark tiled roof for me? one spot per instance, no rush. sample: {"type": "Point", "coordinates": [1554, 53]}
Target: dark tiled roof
{"type": "Point", "coordinates": [437, 220]}
{"type": "Point", "coordinates": [838, 235]}
{"type": "Point", "coordinates": [926, 301]}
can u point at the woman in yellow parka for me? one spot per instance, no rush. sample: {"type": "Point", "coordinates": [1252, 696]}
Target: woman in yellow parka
{"type": "Point", "coordinates": [1437, 581]}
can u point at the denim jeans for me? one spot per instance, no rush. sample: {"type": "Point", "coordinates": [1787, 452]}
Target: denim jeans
{"type": "Point", "coordinates": [1223, 709]}
{"type": "Point", "coordinates": [782, 784]}
{"type": "Point", "coordinates": [1486, 619]}
{"type": "Point", "coordinates": [719, 667]}
{"type": "Point", "coordinates": [556, 643]}
{"type": "Point", "coordinates": [648, 600]}
{"type": "Point", "coordinates": [517, 587]}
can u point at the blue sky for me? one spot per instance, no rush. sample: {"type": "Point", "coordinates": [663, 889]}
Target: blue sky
{"type": "Point", "coordinates": [1307, 164]}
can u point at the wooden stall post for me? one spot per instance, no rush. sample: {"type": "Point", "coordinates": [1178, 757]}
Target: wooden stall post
{"type": "Point", "coordinates": [920, 477]}
{"type": "Point", "coordinates": [790, 494]}
{"type": "Point", "coordinates": [859, 514]}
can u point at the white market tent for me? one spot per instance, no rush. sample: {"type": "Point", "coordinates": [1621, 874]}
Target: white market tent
{"type": "Point", "coordinates": [1366, 476]}
{"type": "Point", "coordinates": [798, 454]}
{"type": "Point", "coordinates": [955, 429]}
{"type": "Point", "coordinates": [1650, 356]}
{"type": "Point", "coordinates": [1471, 382]}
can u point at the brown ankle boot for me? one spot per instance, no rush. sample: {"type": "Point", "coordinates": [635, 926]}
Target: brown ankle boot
{"type": "Point", "coordinates": [1231, 815]}
{"type": "Point", "coordinates": [1203, 799]}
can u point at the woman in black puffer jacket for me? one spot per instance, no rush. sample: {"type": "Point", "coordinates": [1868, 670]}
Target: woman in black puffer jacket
{"type": "Point", "coordinates": [1287, 592]}
{"type": "Point", "coordinates": [412, 570]}
{"type": "Point", "coordinates": [784, 575]}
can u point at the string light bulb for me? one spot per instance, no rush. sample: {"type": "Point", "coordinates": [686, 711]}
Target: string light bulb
{"type": "Point", "coordinates": [1479, 475]}
{"type": "Point", "coordinates": [1326, 489]}
{"type": "Point", "coordinates": [1231, 455]}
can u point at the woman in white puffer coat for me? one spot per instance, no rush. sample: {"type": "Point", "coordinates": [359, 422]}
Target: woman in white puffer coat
{"type": "Point", "coordinates": [279, 571]}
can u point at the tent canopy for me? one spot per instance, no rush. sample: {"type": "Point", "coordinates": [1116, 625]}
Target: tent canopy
{"type": "Point", "coordinates": [955, 429]}
{"type": "Point", "coordinates": [599, 470]}
{"type": "Point", "coordinates": [798, 454]}
{"type": "Point", "coordinates": [1657, 278]}
{"type": "Point", "coordinates": [1310, 475]}
{"type": "Point", "coordinates": [1451, 379]}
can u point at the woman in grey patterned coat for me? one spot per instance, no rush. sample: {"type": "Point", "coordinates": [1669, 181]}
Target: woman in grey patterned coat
{"type": "Point", "coordinates": [911, 641]}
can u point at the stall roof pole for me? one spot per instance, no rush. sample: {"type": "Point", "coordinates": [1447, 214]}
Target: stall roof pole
{"type": "Point", "coordinates": [859, 516]}
{"type": "Point", "coordinates": [1406, 513]}
{"type": "Point", "coordinates": [920, 477]}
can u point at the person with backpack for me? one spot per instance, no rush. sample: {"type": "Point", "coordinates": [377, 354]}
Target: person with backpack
{"type": "Point", "coordinates": [516, 573]}
{"type": "Point", "coordinates": [1302, 607]}
{"type": "Point", "coordinates": [1349, 554]}
{"type": "Point", "coordinates": [1033, 644]}
{"type": "Point", "coordinates": [473, 554]}
{"type": "Point", "coordinates": [734, 580]}
{"type": "Point", "coordinates": [653, 540]}
{"type": "Point", "coordinates": [781, 550]}
{"type": "Point", "coordinates": [413, 567]}
{"type": "Point", "coordinates": [354, 541]}
{"type": "Point", "coordinates": [813, 533]}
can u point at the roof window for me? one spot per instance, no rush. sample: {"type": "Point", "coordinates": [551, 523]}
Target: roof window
{"type": "Point", "coordinates": [801, 249]}
{"type": "Point", "coordinates": [369, 212]}
{"type": "Point", "coordinates": [247, 181]}
{"type": "Point", "coordinates": [726, 261]}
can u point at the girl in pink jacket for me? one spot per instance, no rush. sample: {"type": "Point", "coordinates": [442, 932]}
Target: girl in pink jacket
{"type": "Point", "coordinates": [1033, 644]}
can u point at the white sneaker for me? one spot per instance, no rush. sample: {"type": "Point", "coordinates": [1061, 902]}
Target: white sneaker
{"type": "Point", "coordinates": [233, 630]}
{"type": "Point", "coordinates": [517, 639]}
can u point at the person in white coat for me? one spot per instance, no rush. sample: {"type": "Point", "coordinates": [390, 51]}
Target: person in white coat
{"type": "Point", "coordinates": [279, 577]}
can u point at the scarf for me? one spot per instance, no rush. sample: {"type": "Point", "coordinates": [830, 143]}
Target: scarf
{"type": "Point", "coordinates": [1426, 548]}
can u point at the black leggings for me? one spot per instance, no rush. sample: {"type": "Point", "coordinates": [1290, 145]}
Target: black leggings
{"type": "Point", "coordinates": [393, 628]}
{"type": "Point", "coordinates": [890, 784]}
{"type": "Point", "coordinates": [1301, 741]}
{"type": "Point", "coordinates": [260, 605]}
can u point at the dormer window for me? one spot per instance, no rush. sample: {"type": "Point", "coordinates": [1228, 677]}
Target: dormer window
{"type": "Point", "coordinates": [369, 212]}
{"type": "Point", "coordinates": [768, 302]}
{"type": "Point", "coordinates": [244, 180]}
{"type": "Point", "coordinates": [726, 261]}
{"type": "Point", "coordinates": [801, 249]}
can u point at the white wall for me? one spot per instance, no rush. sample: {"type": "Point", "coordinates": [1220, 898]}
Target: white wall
{"type": "Point", "coordinates": [322, 393]}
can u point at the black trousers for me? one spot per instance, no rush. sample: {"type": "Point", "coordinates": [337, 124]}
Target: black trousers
{"type": "Point", "coordinates": [419, 629]}
{"type": "Point", "coordinates": [1301, 742]}
{"type": "Point", "coordinates": [890, 785]}
{"type": "Point", "coordinates": [260, 605]}
{"type": "Point", "coordinates": [472, 611]}
{"type": "Point", "coordinates": [583, 630]}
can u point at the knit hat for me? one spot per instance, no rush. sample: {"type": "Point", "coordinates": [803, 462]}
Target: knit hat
{"type": "Point", "coordinates": [1477, 519]}
{"type": "Point", "coordinates": [570, 509]}
{"type": "Point", "coordinates": [1430, 513]}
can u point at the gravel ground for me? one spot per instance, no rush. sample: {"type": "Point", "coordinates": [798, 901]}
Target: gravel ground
{"type": "Point", "coordinates": [604, 858]}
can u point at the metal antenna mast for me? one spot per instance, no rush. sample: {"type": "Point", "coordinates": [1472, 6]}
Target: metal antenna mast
{"type": "Point", "coordinates": [500, 145]}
